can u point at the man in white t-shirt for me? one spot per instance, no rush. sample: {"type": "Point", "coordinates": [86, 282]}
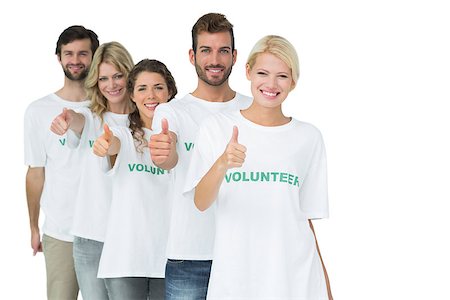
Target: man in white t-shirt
{"type": "Point", "coordinates": [191, 234]}
{"type": "Point", "coordinates": [51, 180]}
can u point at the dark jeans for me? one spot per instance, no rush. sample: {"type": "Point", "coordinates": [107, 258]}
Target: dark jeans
{"type": "Point", "coordinates": [187, 279]}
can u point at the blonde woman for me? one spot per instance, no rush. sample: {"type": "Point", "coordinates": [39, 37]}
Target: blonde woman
{"type": "Point", "coordinates": [265, 173]}
{"type": "Point", "coordinates": [110, 103]}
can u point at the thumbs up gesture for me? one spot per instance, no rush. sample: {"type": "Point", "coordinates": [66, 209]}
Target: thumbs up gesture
{"type": "Point", "coordinates": [234, 155]}
{"type": "Point", "coordinates": [61, 123]}
{"type": "Point", "coordinates": [103, 142]}
{"type": "Point", "coordinates": [161, 144]}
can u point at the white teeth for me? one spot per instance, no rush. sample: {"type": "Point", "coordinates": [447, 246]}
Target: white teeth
{"type": "Point", "coordinates": [269, 94]}
{"type": "Point", "coordinates": [214, 71]}
{"type": "Point", "coordinates": [151, 105]}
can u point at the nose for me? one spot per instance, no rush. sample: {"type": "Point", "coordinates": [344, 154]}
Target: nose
{"type": "Point", "coordinates": [151, 94]}
{"type": "Point", "coordinates": [112, 83]}
{"type": "Point", "coordinates": [215, 58]}
{"type": "Point", "coordinates": [76, 59]}
{"type": "Point", "coordinates": [272, 81]}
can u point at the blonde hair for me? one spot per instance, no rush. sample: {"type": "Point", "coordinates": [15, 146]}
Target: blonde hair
{"type": "Point", "coordinates": [281, 48]}
{"type": "Point", "coordinates": [112, 53]}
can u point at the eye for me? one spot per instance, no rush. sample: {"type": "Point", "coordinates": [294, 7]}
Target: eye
{"type": "Point", "coordinates": [224, 51]}
{"type": "Point", "coordinates": [141, 88]}
{"type": "Point", "coordinates": [205, 50]}
{"type": "Point", "coordinates": [103, 79]}
{"type": "Point", "coordinates": [261, 73]}
{"type": "Point", "coordinates": [118, 76]}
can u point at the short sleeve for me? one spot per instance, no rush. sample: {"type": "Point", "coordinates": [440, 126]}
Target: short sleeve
{"type": "Point", "coordinates": [202, 159]}
{"type": "Point", "coordinates": [34, 145]}
{"type": "Point", "coordinates": [314, 191]}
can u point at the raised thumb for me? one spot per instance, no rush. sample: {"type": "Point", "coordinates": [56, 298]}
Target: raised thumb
{"type": "Point", "coordinates": [164, 126]}
{"type": "Point", "coordinates": [234, 137]}
{"type": "Point", "coordinates": [108, 134]}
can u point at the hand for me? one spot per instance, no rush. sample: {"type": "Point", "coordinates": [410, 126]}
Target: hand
{"type": "Point", "coordinates": [61, 123]}
{"type": "Point", "coordinates": [103, 142]}
{"type": "Point", "coordinates": [36, 244]}
{"type": "Point", "coordinates": [160, 144]}
{"type": "Point", "coordinates": [234, 155]}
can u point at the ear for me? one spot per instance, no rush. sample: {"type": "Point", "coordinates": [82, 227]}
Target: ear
{"type": "Point", "coordinates": [293, 85]}
{"type": "Point", "coordinates": [247, 71]}
{"type": "Point", "coordinates": [58, 57]}
{"type": "Point", "coordinates": [234, 56]}
{"type": "Point", "coordinates": [192, 56]}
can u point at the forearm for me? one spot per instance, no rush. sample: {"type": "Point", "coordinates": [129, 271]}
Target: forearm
{"type": "Point", "coordinates": [327, 280]}
{"type": "Point", "coordinates": [34, 185]}
{"type": "Point", "coordinates": [77, 122]}
{"type": "Point", "coordinates": [171, 161]}
{"type": "Point", "coordinates": [114, 148]}
{"type": "Point", "coordinates": [208, 187]}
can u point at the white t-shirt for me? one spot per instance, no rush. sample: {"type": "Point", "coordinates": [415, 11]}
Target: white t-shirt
{"type": "Point", "coordinates": [138, 222]}
{"type": "Point", "coordinates": [62, 166]}
{"type": "Point", "coordinates": [191, 233]}
{"type": "Point", "coordinates": [95, 188]}
{"type": "Point", "coordinates": [264, 247]}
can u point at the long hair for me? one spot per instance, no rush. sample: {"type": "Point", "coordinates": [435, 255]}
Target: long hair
{"type": "Point", "coordinates": [152, 66]}
{"type": "Point", "coordinates": [112, 53]}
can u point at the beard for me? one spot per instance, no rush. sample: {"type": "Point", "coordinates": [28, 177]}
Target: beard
{"type": "Point", "coordinates": [78, 77]}
{"type": "Point", "coordinates": [214, 81]}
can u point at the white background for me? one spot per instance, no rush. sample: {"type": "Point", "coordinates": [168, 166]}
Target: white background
{"type": "Point", "coordinates": [375, 79]}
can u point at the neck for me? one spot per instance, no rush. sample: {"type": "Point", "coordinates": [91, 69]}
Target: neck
{"type": "Point", "coordinates": [146, 122]}
{"type": "Point", "coordinates": [265, 116]}
{"type": "Point", "coordinates": [222, 93]}
{"type": "Point", "coordinates": [72, 91]}
{"type": "Point", "coordinates": [119, 108]}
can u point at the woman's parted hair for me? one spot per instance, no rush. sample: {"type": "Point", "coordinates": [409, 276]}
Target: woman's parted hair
{"type": "Point", "coordinates": [112, 53]}
{"type": "Point", "coordinates": [281, 48]}
{"type": "Point", "coordinates": [151, 66]}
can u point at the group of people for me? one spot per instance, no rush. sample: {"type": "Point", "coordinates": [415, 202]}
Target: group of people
{"type": "Point", "coordinates": [148, 196]}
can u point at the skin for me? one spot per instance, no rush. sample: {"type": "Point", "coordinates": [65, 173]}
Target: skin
{"type": "Point", "coordinates": [112, 85]}
{"type": "Point", "coordinates": [75, 59]}
{"type": "Point", "coordinates": [150, 90]}
{"type": "Point", "coordinates": [213, 62]}
{"type": "Point", "coordinates": [271, 82]}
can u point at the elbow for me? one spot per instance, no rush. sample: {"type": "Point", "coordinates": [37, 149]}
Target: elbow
{"type": "Point", "coordinates": [199, 203]}
{"type": "Point", "coordinates": [200, 206]}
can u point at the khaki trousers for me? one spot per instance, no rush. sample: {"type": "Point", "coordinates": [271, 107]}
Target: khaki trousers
{"type": "Point", "coordinates": [61, 278]}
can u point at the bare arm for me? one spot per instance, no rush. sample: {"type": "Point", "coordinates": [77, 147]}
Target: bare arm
{"type": "Point", "coordinates": [68, 119]}
{"type": "Point", "coordinates": [163, 147]}
{"type": "Point", "coordinates": [330, 296]}
{"type": "Point", "coordinates": [34, 184]}
{"type": "Point", "coordinates": [208, 187]}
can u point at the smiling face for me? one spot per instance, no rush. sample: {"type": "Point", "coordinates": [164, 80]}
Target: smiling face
{"type": "Point", "coordinates": [76, 58]}
{"type": "Point", "coordinates": [149, 91]}
{"type": "Point", "coordinates": [214, 58]}
{"type": "Point", "coordinates": [271, 80]}
{"type": "Point", "coordinates": [112, 84]}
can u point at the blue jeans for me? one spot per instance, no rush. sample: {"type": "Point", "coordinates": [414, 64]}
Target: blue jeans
{"type": "Point", "coordinates": [187, 279]}
{"type": "Point", "coordinates": [86, 255]}
{"type": "Point", "coordinates": [135, 288]}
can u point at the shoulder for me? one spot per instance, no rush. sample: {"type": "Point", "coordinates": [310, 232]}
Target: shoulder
{"type": "Point", "coordinates": [307, 130]}
{"type": "Point", "coordinates": [244, 101]}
